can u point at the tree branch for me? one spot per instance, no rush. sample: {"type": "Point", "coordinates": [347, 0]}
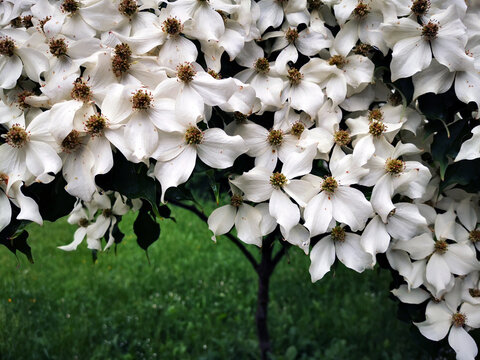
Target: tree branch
{"type": "Point", "coordinates": [232, 238]}
{"type": "Point", "coordinates": [279, 255]}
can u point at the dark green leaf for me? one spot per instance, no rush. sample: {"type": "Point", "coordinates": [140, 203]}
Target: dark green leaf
{"type": "Point", "coordinates": [146, 227]}
{"type": "Point", "coordinates": [18, 243]}
{"type": "Point", "coordinates": [464, 173]}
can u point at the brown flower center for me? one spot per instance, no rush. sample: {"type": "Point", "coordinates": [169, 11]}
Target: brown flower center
{"type": "Point", "coordinates": [27, 21]}
{"type": "Point", "coordinates": [342, 138]}
{"type": "Point", "coordinates": [16, 136]}
{"type": "Point", "coordinates": [329, 184]}
{"type": "Point", "coordinates": [81, 91]}
{"type": "Point", "coordinates": [474, 292]}
{"type": "Point", "coordinates": [95, 125]}
{"type": "Point", "coordinates": [294, 76]}
{"type": "Point", "coordinates": [71, 141]}
{"type": "Point", "coordinates": [262, 65]}
{"type": "Point", "coordinates": [7, 46]}
{"type": "Point", "coordinates": [459, 319]}
{"type": "Point", "coordinates": [21, 99]}
{"type": "Point", "coordinates": [474, 236]}
{"type": "Point", "coordinates": [297, 129]}
{"type": "Point", "coordinates": [420, 7]}
{"type": "Point", "coordinates": [236, 200]}
{"type": "Point", "coordinates": [361, 10]}
{"type": "Point", "coordinates": [338, 61]}
{"type": "Point", "coordinates": [430, 31]}
{"type": "Point", "coordinates": [314, 4]}
{"type": "Point", "coordinates": [375, 114]}
{"type": "Point", "coordinates": [172, 26]}
{"type": "Point", "coordinates": [441, 246]}
{"type": "Point", "coordinates": [376, 128]}
{"type": "Point", "coordinates": [275, 137]}
{"type": "Point", "coordinates": [83, 222]}
{"type": "Point", "coordinates": [142, 100]}
{"type": "Point", "coordinates": [193, 136]}
{"type": "Point", "coordinates": [128, 7]}
{"type": "Point", "coordinates": [214, 74]}
{"type": "Point", "coordinates": [58, 47]}
{"type": "Point", "coordinates": [70, 6]}
{"type": "Point", "coordinates": [338, 234]}
{"type": "Point", "coordinates": [185, 72]}
{"type": "Point", "coordinates": [363, 49]}
{"type": "Point", "coordinates": [394, 166]}
{"type": "Point", "coordinates": [291, 35]}
{"type": "Point", "coordinates": [121, 60]}
{"type": "Point", "coordinates": [278, 180]}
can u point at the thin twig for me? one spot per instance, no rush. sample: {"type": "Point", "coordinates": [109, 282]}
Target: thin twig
{"type": "Point", "coordinates": [279, 255]}
{"type": "Point", "coordinates": [236, 241]}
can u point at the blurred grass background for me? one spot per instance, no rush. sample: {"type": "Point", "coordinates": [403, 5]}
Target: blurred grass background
{"type": "Point", "coordinates": [196, 300]}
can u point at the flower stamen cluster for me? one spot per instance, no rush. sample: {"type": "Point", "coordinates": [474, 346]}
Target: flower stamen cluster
{"type": "Point", "coordinates": [7, 47]}
{"type": "Point", "coordinates": [459, 319]}
{"type": "Point", "coordinates": [361, 10]}
{"type": "Point", "coordinates": [342, 138]}
{"type": "Point", "coordinates": [262, 65]}
{"type": "Point", "coordinates": [21, 98]}
{"type": "Point", "coordinates": [441, 246]}
{"type": "Point", "coordinates": [375, 114]}
{"type": "Point", "coordinates": [16, 136]}
{"type": "Point", "coordinates": [121, 60]}
{"type": "Point", "coordinates": [376, 128]}
{"type": "Point", "coordinates": [58, 47]}
{"type": "Point", "coordinates": [278, 180]}
{"type": "Point", "coordinates": [172, 26]}
{"type": "Point", "coordinates": [430, 31]}
{"type": "Point", "coordinates": [314, 4]}
{"type": "Point", "coordinates": [4, 178]}
{"type": "Point", "coordinates": [236, 201]}
{"type": "Point", "coordinates": [291, 35]}
{"type": "Point", "coordinates": [474, 292]}
{"type": "Point", "coordinates": [193, 136]}
{"type": "Point", "coordinates": [297, 129]}
{"type": "Point", "coordinates": [142, 100]}
{"type": "Point", "coordinates": [363, 49]}
{"type": "Point", "coordinates": [394, 166]}
{"type": "Point", "coordinates": [185, 72]}
{"type": "Point", "coordinates": [27, 21]}
{"type": "Point", "coordinates": [214, 74]}
{"type": "Point", "coordinates": [81, 91]}
{"type": "Point", "coordinates": [338, 234]}
{"type": "Point", "coordinates": [275, 137]}
{"type": "Point", "coordinates": [474, 236]}
{"type": "Point", "coordinates": [128, 7]}
{"type": "Point", "coordinates": [70, 6]}
{"type": "Point", "coordinates": [95, 125]}
{"type": "Point", "coordinates": [329, 184]}
{"type": "Point", "coordinates": [294, 76]}
{"type": "Point", "coordinates": [337, 60]}
{"type": "Point", "coordinates": [420, 7]}
{"type": "Point", "coordinates": [71, 142]}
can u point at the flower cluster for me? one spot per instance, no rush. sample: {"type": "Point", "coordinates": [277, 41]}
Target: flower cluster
{"type": "Point", "coordinates": [330, 100]}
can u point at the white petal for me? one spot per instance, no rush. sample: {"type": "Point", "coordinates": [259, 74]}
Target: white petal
{"type": "Point", "coordinates": [219, 150]}
{"type": "Point", "coordinates": [413, 296]}
{"type": "Point", "coordinates": [470, 149]}
{"type": "Point", "coordinates": [410, 56]}
{"type": "Point", "coordinates": [438, 273]}
{"type": "Point", "coordinates": [34, 62]}
{"type": "Point", "coordinates": [142, 135]}
{"type": "Point", "coordinates": [318, 214]}
{"type": "Point", "coordinates": [462, 343]}
{"type": "Point", "coordinates": [5, 211]}
{"type": "Point", "coordinates": [382, 196]}
{"type": "Point", "coordinates": [41, 159]}
{"type": "Point", "coordinates": [461, 259]}
{"type": "Point", "coordinates": [375, 238]}
{"type": "Point", "coordinates": [255, 184]}
{"type": "Point", "coordinates": [176, 171]}
{"type": "Point", "coordinates": [78, 237]}
{"type": "Point", "coordinates": [351, 207]}
{"type": "Point", "coordinates": [247, 223]}
{"type": "Point", "coordinates": [322, 257]}
{"type": "Point", "coordinates": [284, 210]}
{"type": "Point", "coordinates": [438, 322]}
{"type": "Point", "coordinates": [221, 220]}
{"type": "Point", "coordinates": [418, 247]}
{"type": "Point", "coordinates": [10, 71]}
{"type": "Point", "coordinates": [351, 253]}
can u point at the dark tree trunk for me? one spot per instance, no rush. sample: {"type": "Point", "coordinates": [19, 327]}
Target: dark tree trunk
{"type": "Point", "coordinates": [264, 270]}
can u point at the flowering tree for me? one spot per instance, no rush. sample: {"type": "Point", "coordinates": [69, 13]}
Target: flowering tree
{"type": "Point", "coordinates": [347, 128]}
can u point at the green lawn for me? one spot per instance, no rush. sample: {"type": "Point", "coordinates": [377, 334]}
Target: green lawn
{"type": "Point", "coordinates": [196, 300]}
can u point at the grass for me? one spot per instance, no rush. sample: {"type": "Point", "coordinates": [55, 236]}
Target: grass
{"type": "Point", "coordinates": [196, 300]}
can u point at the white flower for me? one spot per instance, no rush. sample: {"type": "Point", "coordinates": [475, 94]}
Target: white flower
{"type": "Point", "coordinates": [346, 246]}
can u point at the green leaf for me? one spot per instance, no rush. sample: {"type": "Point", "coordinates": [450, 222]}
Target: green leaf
{"type": "Point", "coordinates": [447, 142]}
{"type": "Point", "coordinates": [129, 179]}
{"type": "Point", "coordinates": [146, 227]}
{"type": "Point", "coordinates": [440, 106]}
{"type": "Point", "coordinates": [18, 243]}
{"type": "Point", "coordinates": [464, 173]}
{"type": "Point", "coordinates": [214, 185]}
